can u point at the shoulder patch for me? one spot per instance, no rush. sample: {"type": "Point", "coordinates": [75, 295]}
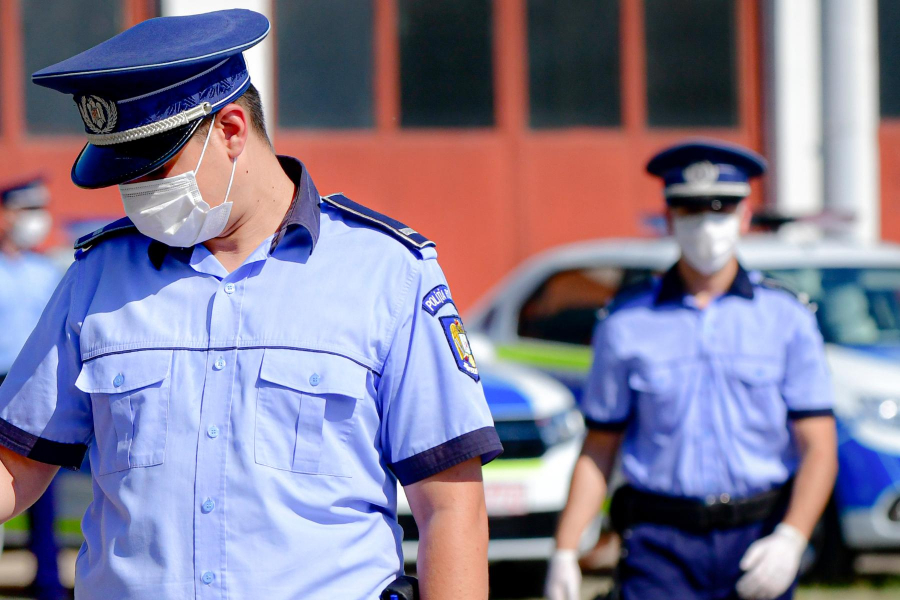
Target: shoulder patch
{"type": "Point", "coordinates": [405, 234]}
{"type": "Point", "coordinates": [437, 298]}
{"type": "Point", "coordinates": [775, 284]}
{"type": "Point", "coordinates": [115, 228]}
{"type": "Point", "coordinates": [459, 345]}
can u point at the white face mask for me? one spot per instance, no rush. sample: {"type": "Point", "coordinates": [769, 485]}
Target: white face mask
{"type": "Point", "coordinates": [172, 211]}
{"type": "Point", "coordinates": [708, 240]}
{"type": "Point", "coordinates": [30, 228]}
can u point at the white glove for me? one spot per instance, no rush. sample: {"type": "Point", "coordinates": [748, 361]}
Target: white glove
{"type": "Point", "coordinates": [563, 576]}
{"type": "Point", "coordinates": [771, 564]}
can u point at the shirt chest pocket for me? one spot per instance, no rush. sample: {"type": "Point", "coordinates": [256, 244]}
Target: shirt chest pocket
{"type": "Point", "coordinates": [130, 401]}
{"type": "Point", "coordinates": [655, 389]}
{"type": "Point", "coordinates": [305, 411]}
{"type": "Point", "coordinates": [759, 381]}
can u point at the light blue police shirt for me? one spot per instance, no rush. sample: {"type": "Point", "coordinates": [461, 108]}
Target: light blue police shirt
{"type": "Point", "coordinates": [246, 431]}
{"type": "Point", "coordinates": [706, 397]}
{"type": "Point", "coordinates": [27, 281]}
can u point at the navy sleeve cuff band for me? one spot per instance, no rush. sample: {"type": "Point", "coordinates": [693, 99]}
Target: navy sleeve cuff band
{"type": "Point", "coordinates": [606, 425]}
{"type": "Point", "coordinates": [482, 442]}
{"type": "Point", "coordinates": [36, 448]}
{"type": "Point", "coordinates": [793, 415]}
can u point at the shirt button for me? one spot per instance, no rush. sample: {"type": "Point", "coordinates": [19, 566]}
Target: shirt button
{"type": "Point", "coordinates": [724, 498]}
{"type": "Point", "coordinates": [219, 364]}
{"type": "Point", "coordinates": [229, 288]}
{"type": "Point", "coordinates": [212, 431]}
{"type": "Point", "coordinates": [207, 577]}
{"type": "Point", "coordinates": [314, 379]}
{"type": "Point", "coordinates": [207, 506]}
{"type": "Point", "coordinates": [119, 380]}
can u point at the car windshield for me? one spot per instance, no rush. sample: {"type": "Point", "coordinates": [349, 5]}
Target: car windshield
{"type": "Point", "coordinates": [853, 306]}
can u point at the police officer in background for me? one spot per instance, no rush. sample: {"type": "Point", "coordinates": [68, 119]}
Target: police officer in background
{"type": "Point", "coordinates": [251, 367]}
{"type": "Point", "coordinates": [27, 280]}
{"type": "Point", "coordinates": [712, 381]}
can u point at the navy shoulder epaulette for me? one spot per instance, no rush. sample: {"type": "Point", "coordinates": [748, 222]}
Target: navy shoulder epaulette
{"type": "Point", "coordinates": [115, 228]}
{"type": "Point", "coordinates": [407, 235]}
{"type": "Point", "coordinates": [776, 284]}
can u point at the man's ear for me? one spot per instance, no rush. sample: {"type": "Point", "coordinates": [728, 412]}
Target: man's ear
{"type": "Point", "coordinates": [235, 124]}
{"type": "Point", "coordinates": [746, 216]}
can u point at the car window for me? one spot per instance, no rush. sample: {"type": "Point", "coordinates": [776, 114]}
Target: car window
{"type": "Point", "coordinates": [853, 306]}
{"type": "Point", "coordinates": [563, 308]}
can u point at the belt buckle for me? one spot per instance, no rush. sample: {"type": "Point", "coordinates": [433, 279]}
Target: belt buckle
{"type": "Point", "coordinates": [719, 511]}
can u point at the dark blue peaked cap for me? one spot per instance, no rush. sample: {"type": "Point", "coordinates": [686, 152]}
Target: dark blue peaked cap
{"type": "Point", "coordinates": [701, 171]}
{"type": "Point", "coordinates": [143, 93]}
{"type": "Point", "coordinates": [29, 193]}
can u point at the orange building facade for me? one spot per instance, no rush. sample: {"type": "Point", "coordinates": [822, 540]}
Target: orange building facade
{"type": "Point", "coordinates": [491, 192]}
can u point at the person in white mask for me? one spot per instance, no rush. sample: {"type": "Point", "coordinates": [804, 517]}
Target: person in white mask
{"type": "Point", "coordinates": [711, 384]}
{"type": "Point", "coordinates": [251, 367]}
{"type": "Point", "coordinates": [27, 280]}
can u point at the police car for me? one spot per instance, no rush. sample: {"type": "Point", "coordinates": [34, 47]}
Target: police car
{"type": "Point", "coordinates": [526, 487]}
{"type": "Point", "coordinates": [542, 315]}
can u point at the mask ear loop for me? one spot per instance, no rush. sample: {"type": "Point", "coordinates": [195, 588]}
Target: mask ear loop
{"type": "Point", "coordinates": [202, 152]}
{"type": "Point", "coordinates": [230, 179]}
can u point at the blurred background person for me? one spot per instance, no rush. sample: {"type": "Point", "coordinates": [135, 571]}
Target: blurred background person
{"type": "Point", "coordinates": [714, 384]}
{"type": "Point", "coordinates": [27, 280]}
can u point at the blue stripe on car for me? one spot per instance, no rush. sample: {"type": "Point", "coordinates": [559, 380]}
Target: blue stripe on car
{"type": "Point", "coordinates": [864, 473]}
{"type": "Point", "coordinates": [505, 400]}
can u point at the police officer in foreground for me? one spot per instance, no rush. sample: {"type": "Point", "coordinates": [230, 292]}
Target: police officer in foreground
{"type": "Point", "coordinates": [27, 281]}
{"type": "Point", "coordinates": [251, 367]}
{"type": "Point", "coordinates": [712, 381]}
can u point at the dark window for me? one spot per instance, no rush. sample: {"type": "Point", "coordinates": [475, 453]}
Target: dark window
{"type": "Point", "coordinates": [889, 56]}
{"type": "Point", "coordinates": [325, 63]}
{"type": "Point", "coordinates": [54, 30]}
{"type": "Point", "coordinates": [691, 63]}
{"type": "Point", "coordinates": [564, 307]}
{"type": "Point", "coordinates": [573, 57]}
{"type": "Point", "coordinates": [446, 68]}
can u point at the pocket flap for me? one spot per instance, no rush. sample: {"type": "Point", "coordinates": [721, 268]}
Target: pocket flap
{"type": "Point", "coordinates": [652, 380]}
{"type": "Point", "coordinates": [758, 371]}
{"type": "Point", "coordinates": [314, 372]}
{"type": "Point", "coordinates": [118, 373]}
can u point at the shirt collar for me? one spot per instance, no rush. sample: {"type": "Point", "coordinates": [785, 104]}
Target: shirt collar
{"type": "Point", "coordinates": [303, 212]}
{"type": "Point", "coordinates": [672, 288]}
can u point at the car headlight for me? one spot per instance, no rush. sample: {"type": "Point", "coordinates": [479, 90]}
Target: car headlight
{"type": "Point", "coordinates": [561, 427]}
{"type": "Point", "coordinates": [881, 410]}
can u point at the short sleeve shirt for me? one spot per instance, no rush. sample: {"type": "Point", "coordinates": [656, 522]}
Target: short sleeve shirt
{"type": "Point", "coordinates": [246, 430]}
{"type": "Point", "coordinates": [705, 397]}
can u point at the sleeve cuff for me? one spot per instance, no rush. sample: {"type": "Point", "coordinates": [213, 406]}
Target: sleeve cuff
{"type": "Point", "coordinates": [482, 442]}
{"type": "Point", "coordinates": [36, 448]}
{"type": "Point", "coordinates": [794, 415]}
{"type": "Point", "coordinates": [606, 425]}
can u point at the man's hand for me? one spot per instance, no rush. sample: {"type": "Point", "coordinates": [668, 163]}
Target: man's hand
{"type": "Point", "coordinates": [452, 519]}
{"type": "Point", "coordinates": [563, 576]}
{"type": "Point", "coordinates": [771, 564]}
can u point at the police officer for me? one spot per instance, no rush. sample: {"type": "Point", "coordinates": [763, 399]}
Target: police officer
{"type": "Point", "coordinates": [27, 280]}
{"type": "Point", "coordinates": [251, 367]}
{"type": "Point", "coordinates": [713, 382]}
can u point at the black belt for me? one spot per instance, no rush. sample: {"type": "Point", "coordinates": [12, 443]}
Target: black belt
{"type": "Point", "coordinates": [631, 507]}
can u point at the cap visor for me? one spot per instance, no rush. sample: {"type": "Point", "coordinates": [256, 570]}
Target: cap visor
{"type": "Point", "coordinates": [103, 166]}
{"type": "Point", "coordinates": [702, 201]}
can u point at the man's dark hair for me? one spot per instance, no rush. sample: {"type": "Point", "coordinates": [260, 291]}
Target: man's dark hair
{"type": "Point", "coordinates": [251, 101]}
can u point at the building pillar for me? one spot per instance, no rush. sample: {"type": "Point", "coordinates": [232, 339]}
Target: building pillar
{"type": "Point", "coordinates": [793, 110]}
{"type": "Point", "coordinates": [851, 116]}
{"type": "Point", "coordinates": [260, 58]}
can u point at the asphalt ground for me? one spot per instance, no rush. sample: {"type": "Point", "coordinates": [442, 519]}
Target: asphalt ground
{"type": "Point", "coordinates": [508, 582]}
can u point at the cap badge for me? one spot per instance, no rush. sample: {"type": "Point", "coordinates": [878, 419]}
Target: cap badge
{"type": "Point", "coordinates": [98, 114]}
{"type": "Point", "coordinates": [701, 173]}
